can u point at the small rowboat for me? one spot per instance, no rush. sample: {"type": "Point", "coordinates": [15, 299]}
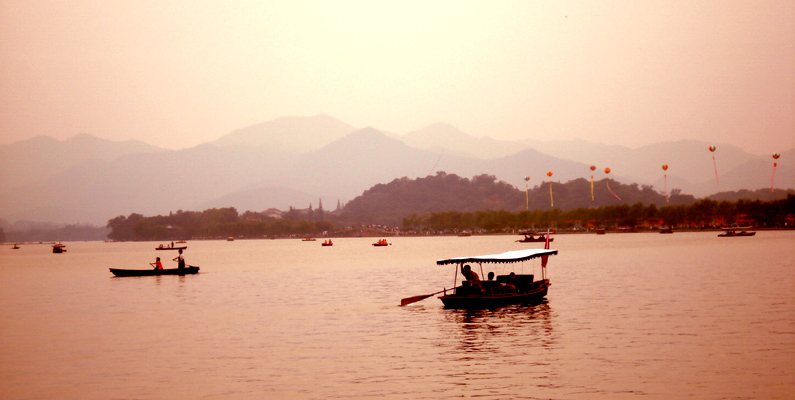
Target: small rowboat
{"type": "Point", "coordinates": [733, 232]}
{"type": "Point", "coordinates": [529, 237]}
{"type": "Point", "coordinates": [150, 272]}
{"type": "Point", "coordinates": [161, 247]}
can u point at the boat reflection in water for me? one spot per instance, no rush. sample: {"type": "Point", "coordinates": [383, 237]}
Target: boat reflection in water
{"type": "Point", "coordinates": [516, 326]}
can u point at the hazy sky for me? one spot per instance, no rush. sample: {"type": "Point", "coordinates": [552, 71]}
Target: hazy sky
{"type": "Point", "coordinates": [179, 73]}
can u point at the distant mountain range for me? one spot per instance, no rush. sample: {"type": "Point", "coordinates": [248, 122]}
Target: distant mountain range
{"type": "Point", "coordinates": [297, 161]}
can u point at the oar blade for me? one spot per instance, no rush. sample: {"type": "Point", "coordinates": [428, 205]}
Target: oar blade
{"type": "Point", "coordinates": [409, 300]}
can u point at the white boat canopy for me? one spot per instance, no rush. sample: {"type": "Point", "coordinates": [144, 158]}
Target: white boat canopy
{"type": "Point", "coordinates": [507, 257]}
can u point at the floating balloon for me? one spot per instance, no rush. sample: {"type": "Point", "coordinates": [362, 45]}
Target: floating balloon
{"type": "Point", "coordinates": [549, 173]}
{"type": "Point", "coordinates": [776, 156]}
{"type": "Point", "coordinates": [607, 170]}
{"type": "Point", "coordinates": [551, 202]}
{"type": "Point", "coordinates": [665, 182]}
{"type": "Point", "coordinates": [526, 178]}
{"type": "Point", "coordinates": [665, 167]}
{"type": "Point", "coordinates": [593, 167]}
{"type": "Point", "coordinates": [526, 195]}
{"type": "Point", "coordinates": [775, 164]}
{"type": "Point", "coordinates": [712, 148]}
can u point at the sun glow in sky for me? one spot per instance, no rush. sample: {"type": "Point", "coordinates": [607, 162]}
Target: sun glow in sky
{"type": "Point", "coordinates": [179, 73]}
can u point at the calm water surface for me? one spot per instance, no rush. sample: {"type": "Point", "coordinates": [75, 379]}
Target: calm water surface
{"type": "Point", "coordinates": [646, 316]}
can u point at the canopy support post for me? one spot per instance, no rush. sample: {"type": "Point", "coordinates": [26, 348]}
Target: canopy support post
{"type": "Point", "coordinates": [481, 271]}
{"type": "Point", "coordinates": [455, 280]}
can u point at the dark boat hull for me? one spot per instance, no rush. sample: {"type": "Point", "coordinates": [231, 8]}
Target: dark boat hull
{"type": "Point", "coordinates": [737, 234]}
{"type": "Point", "coordinates": [151, 272]}
{"type": "Point", "coordinates": [172, 248]}
{"type": "Point", "coordinates": [535, 240]}
{"type": "Point", "coordinates": [534, 295]}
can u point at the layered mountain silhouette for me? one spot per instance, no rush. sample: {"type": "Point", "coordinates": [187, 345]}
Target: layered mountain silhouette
{"type": "Point", "coordinates": [297, 161]}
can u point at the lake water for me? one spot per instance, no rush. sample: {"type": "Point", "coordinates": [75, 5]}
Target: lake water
{"type": "Point", "coordinates": [628, 316]}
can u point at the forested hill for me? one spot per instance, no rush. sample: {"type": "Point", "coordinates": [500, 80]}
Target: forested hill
{"type": "Point", "coordinates": [389, 203]}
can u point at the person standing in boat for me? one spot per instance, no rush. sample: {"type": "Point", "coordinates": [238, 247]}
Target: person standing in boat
{"type": "Point", "coordinates": [472, 284]}
{"type": "Point", "coordinates": [157, 264]}
{"type": "Point", "coordinates": [180, 259]}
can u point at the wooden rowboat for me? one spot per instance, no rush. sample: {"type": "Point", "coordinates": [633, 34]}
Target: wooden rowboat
{"type": "Point", "coordinates": [506, 290]}
{"type": "Point", "coordinates": [161, 247]}
{"type": "Point", "coordinates": [150, 272]}
{"type": "Point", "coordinates": [737, 232]}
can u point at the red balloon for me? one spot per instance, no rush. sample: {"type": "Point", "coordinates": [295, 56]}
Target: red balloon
{"type": "Point", "coordinates": [607, 170]}
{"type": "Point", "coordinates": [593, 167]}
{"type": "Point", "coordinates": [712, 148]}
{"type": "Point", "coordinates": [665, 167]}
{"type": "Point", "coordinates": [549, 173]}
{"type": "Point", "coordinates": [776, 156]}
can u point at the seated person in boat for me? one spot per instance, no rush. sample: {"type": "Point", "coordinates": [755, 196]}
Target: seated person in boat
{"type": "Point", "coordinates": [157, 264]}
{"type": "Point", "coordinates": [472, 283]}
{"type": "Point", "coordinates": [512, 283]}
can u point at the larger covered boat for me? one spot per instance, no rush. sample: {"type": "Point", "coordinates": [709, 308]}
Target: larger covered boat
{"type": "Point", "coordinates": [505, 290]}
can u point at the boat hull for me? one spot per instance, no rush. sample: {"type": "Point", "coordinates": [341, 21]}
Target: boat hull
{"type": "Point", "coordinates": [172, 248]}
{"type": "Point", "coordinates": [737, 234]}
{"type": "Point", "coordinates": [534, 295]}
{"type": "Point", "coordinates": [535, 240]}
{"type": "Point", "coordinates": [152, 272]}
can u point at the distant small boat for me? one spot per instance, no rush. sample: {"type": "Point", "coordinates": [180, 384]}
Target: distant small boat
{"type": "Point", "coordinates": [170, 247]}
{"type": "Point", "coordinates": [327, 243]}
{"type": "Point", "coordinates": [465, 234]}
{"type": "Point", "coordinates": [308, 239]}
{"type": "Point", "coordinates": [733, 232]}
{"type": "Point", "coordinates": [58, 248]}
{"type": "Point", "coordinates": [381, 242]}
{"type": "Point", "coordinates": [16, 247]}
{"type": "Point", "coordinates": [600, 232]}
{"type": "Point", "coordinates": [151, 272]}
{"type": "Point", "coordinates": [529, 237]}
{"type": "Point", "coordinates": [230, 239]}
{"type": "Point", "coordinates": [180, 241]}
{"type": "Point", "coordinates": [667, 230]}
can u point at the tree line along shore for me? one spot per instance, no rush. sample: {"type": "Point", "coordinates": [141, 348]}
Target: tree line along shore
{"type": "Point", "coordinates": [448, 204]}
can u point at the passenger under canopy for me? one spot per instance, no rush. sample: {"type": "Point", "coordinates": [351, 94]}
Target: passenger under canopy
{"type": "Point", "coordinates": [507, 257]}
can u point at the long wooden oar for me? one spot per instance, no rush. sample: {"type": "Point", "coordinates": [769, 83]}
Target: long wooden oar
{"type": "Point", "coordinates": [409, 300]}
